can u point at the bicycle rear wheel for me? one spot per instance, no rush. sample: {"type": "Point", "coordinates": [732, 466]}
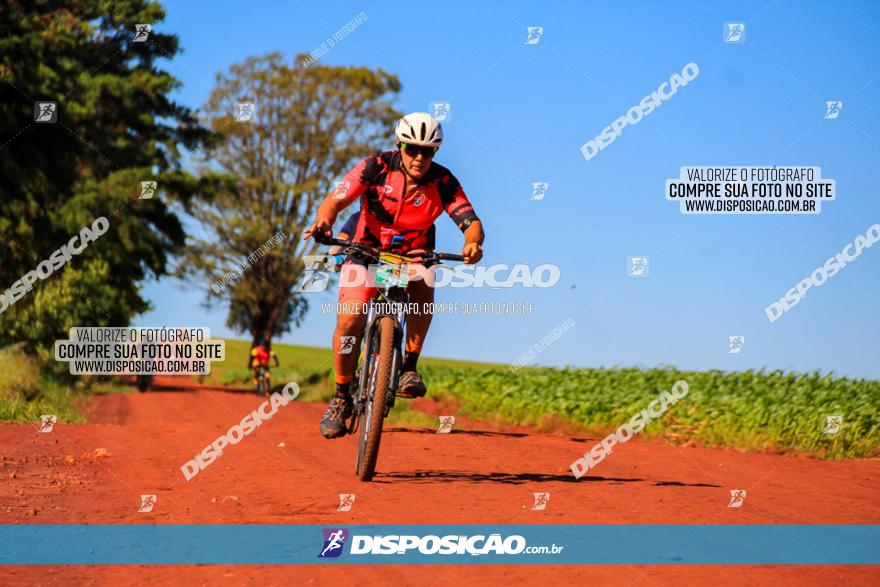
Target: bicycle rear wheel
{"type": "Point", "coordinates": [258, 378]}
{"type": "Point", "coordinates": [378, 382]}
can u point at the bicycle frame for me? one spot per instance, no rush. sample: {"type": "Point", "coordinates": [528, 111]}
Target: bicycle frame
{"type": "Point", "coordinates": [398, 295]}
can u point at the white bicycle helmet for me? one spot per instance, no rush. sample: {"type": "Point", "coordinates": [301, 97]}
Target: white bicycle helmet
{"type": "Point", "coordinates": [419, 128]}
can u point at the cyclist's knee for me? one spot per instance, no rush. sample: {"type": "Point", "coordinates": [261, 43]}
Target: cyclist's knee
{"type": "Point", "coordinates": [349, 323]}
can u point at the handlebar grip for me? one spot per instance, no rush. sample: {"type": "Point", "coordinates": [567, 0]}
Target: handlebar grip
{"type": "Point", "coordinates": [328, 240]}
{"type": "Point", "coordinates": [449, 257]}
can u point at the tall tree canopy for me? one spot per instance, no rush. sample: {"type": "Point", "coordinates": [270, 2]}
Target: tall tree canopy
{"type": "Point", "coordinates": [308, 126]}
{"type": "Point", "coordinates": [116, 127]}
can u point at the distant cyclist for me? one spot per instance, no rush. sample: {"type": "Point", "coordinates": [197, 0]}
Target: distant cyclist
{"type": "Point", "coordinates": [401, 193]}
{"type": "Point", "coordinates": [259, 357]}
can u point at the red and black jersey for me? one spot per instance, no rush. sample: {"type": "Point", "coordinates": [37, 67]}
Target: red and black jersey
{"type": "Point", "coordinates": [386, 211]}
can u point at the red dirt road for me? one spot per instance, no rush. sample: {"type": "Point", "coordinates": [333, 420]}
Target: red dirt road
{"type": "Point", "coordinates": [473, 475]}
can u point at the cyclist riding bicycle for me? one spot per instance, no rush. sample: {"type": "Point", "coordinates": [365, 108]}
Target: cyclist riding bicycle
{"type": "Point", "coordinates": [401, 192]}
{"type": "Point", "coordinates": [259, 357]}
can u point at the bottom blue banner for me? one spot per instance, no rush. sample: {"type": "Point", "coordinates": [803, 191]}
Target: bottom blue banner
{"type": "Point", "coordinates": [775, 544]}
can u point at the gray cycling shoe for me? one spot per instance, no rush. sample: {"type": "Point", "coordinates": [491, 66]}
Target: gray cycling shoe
{"type": "Point", "coordinates": [333, 421]}
{"type": "Point", "coordinates": [411, 385]}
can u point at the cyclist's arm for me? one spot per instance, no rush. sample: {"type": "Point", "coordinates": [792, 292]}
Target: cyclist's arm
{"type": "Point", "coordinates": [326, 216]}
{"type": "Point", "coordinates": [474, 233]}
{"type": "Point", "coordinates": [462, 213]}
{"type": "Point", "coordinates": [473, 242]}
{"type": "Point", "coordinates": [348, 190]}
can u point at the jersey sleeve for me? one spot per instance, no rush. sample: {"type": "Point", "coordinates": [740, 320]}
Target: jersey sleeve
{"type": "Point", "coordinates": [356, 181]}
{"type": "Point", "coordinates": [456, 202]}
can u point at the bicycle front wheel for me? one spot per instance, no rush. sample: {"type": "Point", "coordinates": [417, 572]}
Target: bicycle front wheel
{"type": "Point", "coordinates": [378, 382]}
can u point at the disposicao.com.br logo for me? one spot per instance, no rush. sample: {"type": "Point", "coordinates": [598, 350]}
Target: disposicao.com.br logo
{"type": "Point", "coordinates": [452, 544]}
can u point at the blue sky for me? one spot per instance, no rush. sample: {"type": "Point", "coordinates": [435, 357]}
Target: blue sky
{"type": "Point", "coordinates": [520, 114]}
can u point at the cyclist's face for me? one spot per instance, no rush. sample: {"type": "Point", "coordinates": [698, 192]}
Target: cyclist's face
{"type": "Point", "coordinates": [416, 160]}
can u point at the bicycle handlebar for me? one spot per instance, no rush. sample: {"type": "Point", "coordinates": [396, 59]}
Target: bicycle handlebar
{"type": "Point", "coordinates": [375, 251]}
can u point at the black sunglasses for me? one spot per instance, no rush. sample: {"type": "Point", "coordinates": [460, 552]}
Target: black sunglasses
{"type": "Point", "coordinates": [414, 150]}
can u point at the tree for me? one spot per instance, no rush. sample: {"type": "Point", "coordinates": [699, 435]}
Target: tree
{"type": "Point", "coordinates": [116, 127]}
{"type": "Point", "coordinates": [308, 126]}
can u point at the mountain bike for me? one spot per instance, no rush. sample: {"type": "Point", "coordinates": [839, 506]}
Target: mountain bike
{"type": "Point", "coordinates": [263, 385]}
{"type": "Point", "coordinates": [380, 353]}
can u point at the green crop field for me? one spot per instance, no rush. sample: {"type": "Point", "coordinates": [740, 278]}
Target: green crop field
{"type": "Point", "coordinates": [749, 410]}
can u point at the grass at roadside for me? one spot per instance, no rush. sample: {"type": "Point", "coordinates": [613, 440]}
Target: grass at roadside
{"type": "Point", "coordinates": [30, 388]}
{"type": "Point", "coordinates": [26, 392]}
